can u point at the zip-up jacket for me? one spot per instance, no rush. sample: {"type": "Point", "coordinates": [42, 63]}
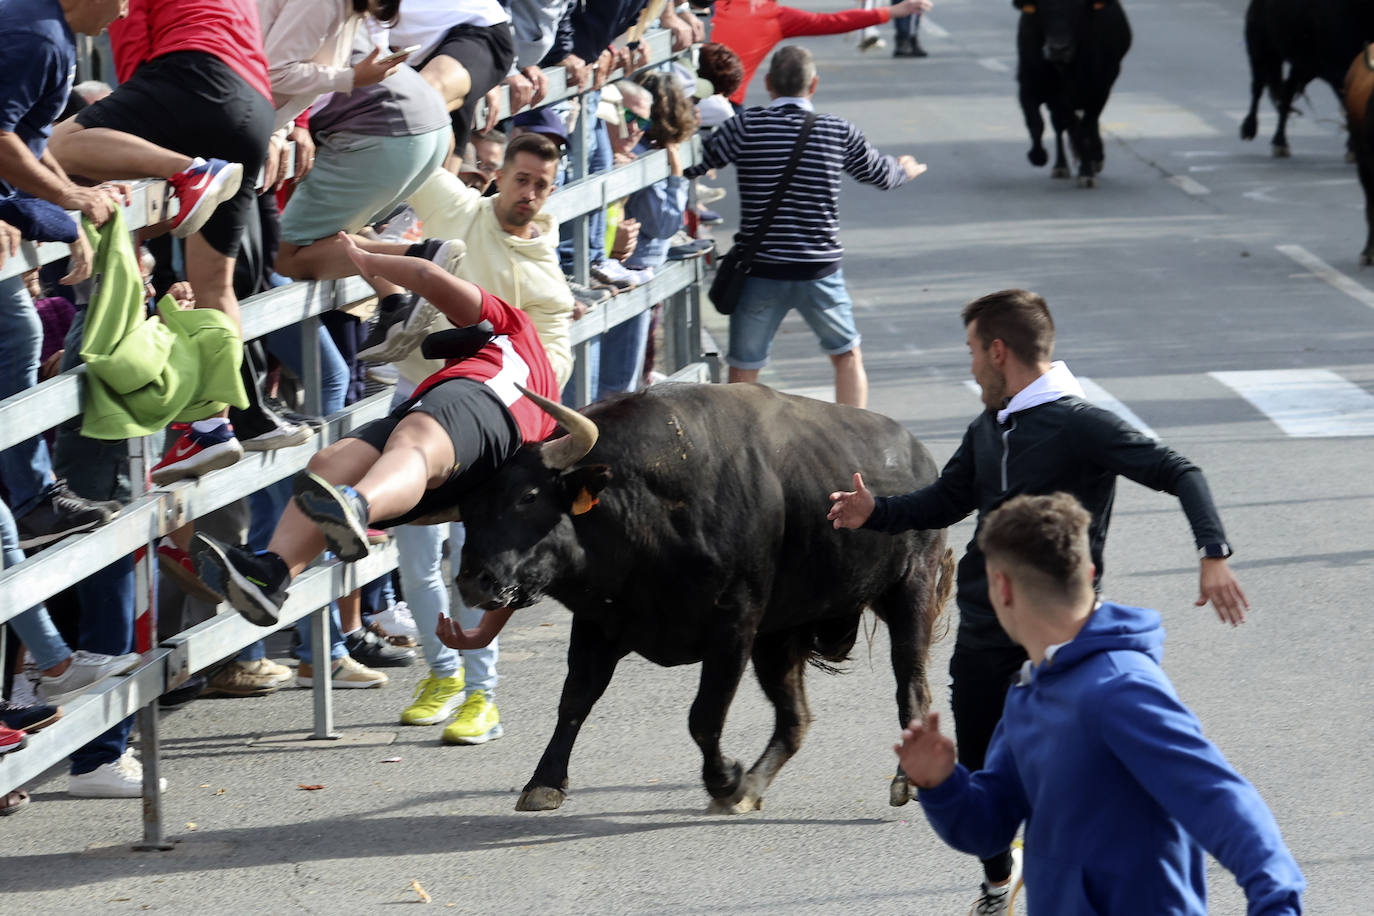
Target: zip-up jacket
{"type": "Point", "coordinates": [1066, 445]}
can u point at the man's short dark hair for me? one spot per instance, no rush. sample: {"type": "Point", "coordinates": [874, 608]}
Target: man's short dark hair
{"type": "Point", "coordinates": [490, 136]}
{"type": "Point", "coordinates": [720, 66]}
{"type": "Point", "coordinates": [1044, 535]}
{"type": "Point", "coordinates": [791, 71]}
{"type": "Point", "coordinates": [534, 144]}
{"type": "Point", "coordinates": [1017, 317]}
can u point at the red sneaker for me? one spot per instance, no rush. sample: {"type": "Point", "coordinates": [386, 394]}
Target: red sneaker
{"type": "Point", "coordinates": [176, 565]}
{"type": "Point", "coordinates": [197, 453]}
{"type": "Point", "coordinates": [200, 189]}
{"type": "Point", "coordinates": [12, 739]}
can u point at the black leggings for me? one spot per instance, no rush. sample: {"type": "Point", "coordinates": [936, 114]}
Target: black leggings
{"type": "Point", "coordinates": [486, 52]}
{"type": "Point", "coordinates": [980, 678]}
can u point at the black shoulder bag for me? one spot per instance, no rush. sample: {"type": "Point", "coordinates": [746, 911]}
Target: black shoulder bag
{"type": "Point", "coordinates": [733, 268]}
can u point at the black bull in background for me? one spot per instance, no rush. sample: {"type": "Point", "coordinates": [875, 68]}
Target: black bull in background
{"type": "Point", "coordinates": [1069, 54]}
{"type": "Point", "coordinates": [695, 531]}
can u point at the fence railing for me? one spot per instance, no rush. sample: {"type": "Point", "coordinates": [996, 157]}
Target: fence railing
{"type": "Point", "coordinates": [154, 512]}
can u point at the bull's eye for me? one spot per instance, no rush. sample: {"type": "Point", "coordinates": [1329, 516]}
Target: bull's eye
{"type": "Point", "coordinates": [530, 497]}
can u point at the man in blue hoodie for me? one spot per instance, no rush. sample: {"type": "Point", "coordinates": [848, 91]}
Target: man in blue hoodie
{"type": "Point", "coordinates": [1119, 790]}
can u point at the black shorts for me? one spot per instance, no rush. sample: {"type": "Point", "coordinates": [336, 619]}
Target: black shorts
{"type": "Point", "coordinates": [486, 52]}
{"type": "Point", "coordinates": [481, 428]}
{"type": "Point", "coordinates": [193, 103]}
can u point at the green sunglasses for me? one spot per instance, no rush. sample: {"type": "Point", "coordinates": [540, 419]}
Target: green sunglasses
{"type": "Point", "coordinates": [632, 118]}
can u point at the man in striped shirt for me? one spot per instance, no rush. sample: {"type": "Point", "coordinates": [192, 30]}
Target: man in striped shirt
{"type": "Point", "coordinates": [797, 264]}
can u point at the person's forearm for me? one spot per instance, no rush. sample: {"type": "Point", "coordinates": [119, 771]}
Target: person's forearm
{"type": "Point", "coordinates": [1196, 498]}
{"type": "Point", "coordinates": [459, 300]}
{"type": "Point", "coordinates": [21, 170]}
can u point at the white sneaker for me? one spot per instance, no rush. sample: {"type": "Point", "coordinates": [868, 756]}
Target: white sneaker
{"type": "Point", "coordinates": [398, 621]}
{"type": "Point", "coordinates": [86, 670]}
{"type": "Point", "coordinates": [610, 274]}
{"type": "Point", "coordinates": [1000, 901]}
{"type": "Point", "coordinates": [640, 276]}
{"type": "Point", "coordinates": [346, 673]}
{"type": "Point", "coordinates": [383, 374]}
{"type": "Point", "coordinates": [121, 779]}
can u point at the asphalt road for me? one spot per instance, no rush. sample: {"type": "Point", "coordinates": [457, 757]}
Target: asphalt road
{"type": "Point", "coordinates": [1198, 254]}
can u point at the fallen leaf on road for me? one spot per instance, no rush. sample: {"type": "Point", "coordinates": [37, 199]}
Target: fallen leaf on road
{"type": "Point", "coordinates": [420, 891]}
{"type": "Point", "coordinates": [301, 785]}
{"type": "Point", "coordinates": [205, 785]}
{"type": "Point", "coordinates": [392, 759]}
{"type": "Point", "coordinates": [220, 792]}
{"type": "Point", "coordinates": [119, 900]}
{"type": "Point", "coordinates": [190, 825]}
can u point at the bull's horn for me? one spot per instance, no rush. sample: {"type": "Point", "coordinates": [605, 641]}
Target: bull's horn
{"type": "Point", "coordinates": [564, 452]}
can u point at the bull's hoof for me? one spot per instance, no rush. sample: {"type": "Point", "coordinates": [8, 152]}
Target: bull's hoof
{"type": "Point", "coordinates": [1350, 156]}
{"type": "Point", "coordinates": [729, 787]}
{"type": "Point", "coordinates": [540, 798]}
{"type": "Point", "coordinates": [1038, 156]}
{"type": "Point", "coordinates": [900, 792]}
{"type": "Point", "coordinates": [1097, 166]}
{"type": "Point", "coordinates": [1248, 128]}
{"type": "Point", "coordinates": [734, 805]}
{"type": "Point", "coordinates": [1061, 171]}
{"type": "Point", "coordinates": [1367, 257]}
{"type": "Point", "coordinates": [1087, 181]}
{"type": "Point", "coordinates": [1282, 151]}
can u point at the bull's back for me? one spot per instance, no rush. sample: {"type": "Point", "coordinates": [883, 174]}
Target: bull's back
{"type": "Point", "coordinates": [736, 478]}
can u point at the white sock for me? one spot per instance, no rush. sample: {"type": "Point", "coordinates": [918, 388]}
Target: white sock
{"type": "Point", "coordinates": [351, 632]}
{"type": "Point", "coordinates": [210, 425]}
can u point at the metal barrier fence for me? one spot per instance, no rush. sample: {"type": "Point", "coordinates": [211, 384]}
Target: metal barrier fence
{"type": "Point", "coordinates": [154, 512]}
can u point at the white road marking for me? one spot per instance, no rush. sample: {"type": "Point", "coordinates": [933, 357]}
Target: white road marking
{"type": "Point", "coordinates": [931, 29]}
{"type": "Point", "coordinates": [994, 64]}
{"type": "Point", "coordinates": [1188, 185]}
{"type": "Point", "coordinates": [1306, 403]}
{"type": "Point", "coordinates": [1096, 395]}
{"type": "Point", "coordinates": [1329, 274]}
{"type": "Point", "coordinates": [1201, 153]}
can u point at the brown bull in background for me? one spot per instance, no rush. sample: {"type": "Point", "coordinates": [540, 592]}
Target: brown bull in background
{"type": "Point", "coordinates": [1359, 96]}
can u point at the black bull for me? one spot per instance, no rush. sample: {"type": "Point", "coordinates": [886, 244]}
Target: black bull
{"type": "Point", "coordinates": [1069, 54]}
{"type": "Point", "coordinates": [696, 531]}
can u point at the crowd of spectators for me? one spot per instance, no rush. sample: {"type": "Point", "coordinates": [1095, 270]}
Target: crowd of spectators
{"type": "Point", "coordinates": [372, 108]}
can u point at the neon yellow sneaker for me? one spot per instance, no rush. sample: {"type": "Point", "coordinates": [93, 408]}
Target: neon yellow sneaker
{"type": "Point", "coordinates": [435, 700]}
{"type": "Point", "coordinates": [478, 721]}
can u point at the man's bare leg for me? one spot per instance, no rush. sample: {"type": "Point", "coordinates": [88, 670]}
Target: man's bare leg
{"type": "Point", "coordinates": [449, 78]}
{"type": "Point", "coordinates": [851, 382]}
{"type": "Point", "coordinates": [211, 276]}
{"type": "Point", "coordinates": [103, 154]}
{"type": "Point", "coordinates": [418, 456]}
{"type": "Point", "coordinates": [297, 540]}
{"type": "Point", "coordinates": [328, 259]}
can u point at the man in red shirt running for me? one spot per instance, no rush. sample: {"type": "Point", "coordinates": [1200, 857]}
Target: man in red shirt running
{"type": "Point", "coordinates": [459, 427]}
{"type": "Point", "coordinates": [752, 28]}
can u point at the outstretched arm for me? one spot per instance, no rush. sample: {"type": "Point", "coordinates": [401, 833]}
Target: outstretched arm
{"type": "Point", "coordinates": [459, 300]}
{"type": "Point", "coordinates": [455, 637]}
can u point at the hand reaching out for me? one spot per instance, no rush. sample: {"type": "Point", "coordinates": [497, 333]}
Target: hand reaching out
{"type": "Point", "coordinates": [926, 756]}
{"type": "Point", "coordinates": [851, 509]}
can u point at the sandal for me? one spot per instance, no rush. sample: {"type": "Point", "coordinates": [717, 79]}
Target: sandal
{"type": "Point", "coordinates": [13, 802]}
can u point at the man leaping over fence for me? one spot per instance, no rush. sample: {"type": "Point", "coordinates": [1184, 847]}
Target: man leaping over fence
{"type": "Point", "coordinates": [463, 422]}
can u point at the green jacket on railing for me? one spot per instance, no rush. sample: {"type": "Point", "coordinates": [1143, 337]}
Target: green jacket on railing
{"type": "Point", "coordinates": [143, 373]}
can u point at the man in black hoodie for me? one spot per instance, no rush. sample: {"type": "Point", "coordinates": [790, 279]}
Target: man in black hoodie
{"type": "Point", "coordinates": [1037, 435]}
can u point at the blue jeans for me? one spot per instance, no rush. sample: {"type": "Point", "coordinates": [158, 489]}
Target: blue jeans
{"type": "Point", "coordinates": [600, 158]}
{"type": "Point", "coordinates": [824, 303]}
{"type": "Point", "coordinates": [33, 627]}
{"type": "Point", "coordinates": [427, 594]}
{"type": "Point", "coordinates": [267, 504]}
{"type": "Point", "coordinates": [622, 355]}
{"type": "Point", "coordinates": [96, 469]}
{"type": "Point", "coordinates": [905, 26]}
{"type": "Point", "coordinates": [26, 468]}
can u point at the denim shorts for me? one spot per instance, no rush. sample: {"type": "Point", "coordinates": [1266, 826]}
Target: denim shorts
{"type": "Point", "coordinates": [824, 303]}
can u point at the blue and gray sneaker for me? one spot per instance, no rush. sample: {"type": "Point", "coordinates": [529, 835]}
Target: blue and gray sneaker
{"type": "Point", "coordinates": [399, 326]}
{"type": "Point", "coordinates": [253, 584]}
{"type": "Point", "coordinates": [340, 512]}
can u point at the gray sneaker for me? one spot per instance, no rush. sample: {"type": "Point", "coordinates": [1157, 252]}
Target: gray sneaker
{"type": "Point", "coordinates": [86, 670]}
{"type": "Point", "coordinates": [394, 333]}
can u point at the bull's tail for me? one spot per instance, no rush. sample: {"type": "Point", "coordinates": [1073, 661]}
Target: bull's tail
{"type": "Point", "coordinates": [944, 588]}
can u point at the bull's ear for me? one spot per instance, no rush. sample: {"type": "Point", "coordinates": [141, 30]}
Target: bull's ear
{"type": "Point", "coordinates": [584, 485]}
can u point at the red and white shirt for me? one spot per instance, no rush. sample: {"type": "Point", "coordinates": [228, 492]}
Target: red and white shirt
{"type": "Point", "coordinates": [513, 357]}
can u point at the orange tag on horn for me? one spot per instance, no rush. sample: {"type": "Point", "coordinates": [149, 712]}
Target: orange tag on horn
{"type": "Point", "coordinates": [584, 502]}
{"type": "Point", "coordinates": [1028, 8]}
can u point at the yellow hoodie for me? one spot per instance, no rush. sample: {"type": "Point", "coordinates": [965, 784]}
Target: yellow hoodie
{"type": "Point", "coordinates": [523, 272]}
